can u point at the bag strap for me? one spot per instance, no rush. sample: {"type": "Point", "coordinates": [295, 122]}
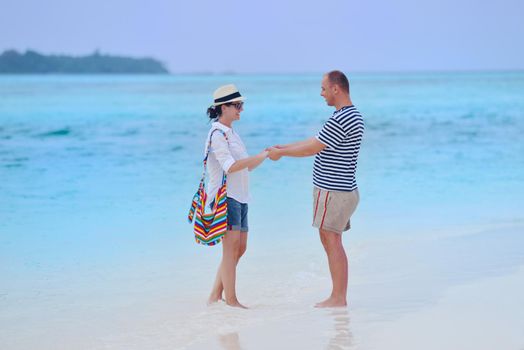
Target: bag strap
{"type": "Point", "coordinates": [207, 155]}
{"type": "Point", "coordinates": [200, 196]}
{"type": "Point", "coordinates": [209, 143]}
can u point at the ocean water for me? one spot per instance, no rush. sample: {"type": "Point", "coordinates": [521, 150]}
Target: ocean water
{"type": "Point", "coordinates": [100, 153]}
{"type": "Point", "coordinates": [97, 174]}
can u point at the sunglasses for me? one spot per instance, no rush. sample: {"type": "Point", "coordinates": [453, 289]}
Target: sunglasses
{"type": "Point", "coordinates": [238, 105]}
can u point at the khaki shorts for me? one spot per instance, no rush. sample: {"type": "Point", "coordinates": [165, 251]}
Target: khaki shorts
{"type": "Point", "coordinates": [332, 210]}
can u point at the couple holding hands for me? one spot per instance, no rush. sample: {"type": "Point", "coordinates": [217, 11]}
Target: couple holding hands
{"type": "Point", "coordinates": [335, 193]}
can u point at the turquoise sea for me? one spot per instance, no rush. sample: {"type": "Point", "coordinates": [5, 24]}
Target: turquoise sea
{"type": "Point", "coordinates": [97, 174]}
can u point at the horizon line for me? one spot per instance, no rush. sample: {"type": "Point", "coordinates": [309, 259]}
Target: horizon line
{"type": "Point", "coordinates": [203, 72]}
{"type": "Point", "coordinates": [269, 73]}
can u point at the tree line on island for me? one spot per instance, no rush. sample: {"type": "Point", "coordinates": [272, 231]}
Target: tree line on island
{"type": "Point", "coordinates": [13, 62]}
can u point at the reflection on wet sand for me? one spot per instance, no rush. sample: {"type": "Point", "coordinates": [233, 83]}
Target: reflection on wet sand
{"type": "Point", "coordinates": [230, 341]}
{"type": "Point", "coordinates": [342, 337]}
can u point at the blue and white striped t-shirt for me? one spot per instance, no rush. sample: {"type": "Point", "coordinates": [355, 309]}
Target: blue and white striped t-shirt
{"type": "Point", "coordinates": [335, 166]}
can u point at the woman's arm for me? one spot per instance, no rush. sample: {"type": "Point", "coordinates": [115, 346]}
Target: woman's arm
{"type": "Point", "coordinates": [249, 162]}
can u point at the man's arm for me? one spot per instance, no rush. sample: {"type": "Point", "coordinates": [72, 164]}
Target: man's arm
{"type": "Point", "coordinates": [294, 144]}
{"type": "Point", "coordinates": [304, 148]}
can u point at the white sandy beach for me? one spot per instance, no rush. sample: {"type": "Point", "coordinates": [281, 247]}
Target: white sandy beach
{"type": "Point", "coordinates": [485, 314]}
{"type": "Point", "coordinates": [455, 292]}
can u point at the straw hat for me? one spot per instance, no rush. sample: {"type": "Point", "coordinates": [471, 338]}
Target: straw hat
{"type": "Point", "coordinates": [226, 94]}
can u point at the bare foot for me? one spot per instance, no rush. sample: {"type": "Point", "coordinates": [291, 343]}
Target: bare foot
{"type": "Point", "coordinates": [236, 304]}
{"type": "Point", "coordinates": [332, 302]}
{"type": "Point", "coordinates": [214, 299]}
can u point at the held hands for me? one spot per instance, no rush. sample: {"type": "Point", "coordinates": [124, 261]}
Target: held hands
{"type": "Point", "coordinates": [274, 153]}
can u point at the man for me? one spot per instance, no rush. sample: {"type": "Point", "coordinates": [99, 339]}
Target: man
{"type": "Point", "coordinates": [335, 192]}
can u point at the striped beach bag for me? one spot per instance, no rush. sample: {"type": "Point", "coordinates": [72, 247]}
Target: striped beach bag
{"type": "Point", "coordinates": [209, 228]}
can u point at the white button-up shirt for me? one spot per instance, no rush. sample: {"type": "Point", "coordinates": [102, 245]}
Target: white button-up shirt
{"type": "Point", "coordinates": [221, 156]}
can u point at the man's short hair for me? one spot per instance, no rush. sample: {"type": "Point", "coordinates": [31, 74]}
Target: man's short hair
{"type": "Point", "coordinates": [340, 79]}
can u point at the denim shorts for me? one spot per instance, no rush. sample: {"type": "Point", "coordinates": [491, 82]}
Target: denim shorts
{"type": "Point", "coordinates": [236, 215]}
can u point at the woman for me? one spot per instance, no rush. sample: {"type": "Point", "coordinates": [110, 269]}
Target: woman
{"type": "Point", "coordinates": [228, 154]}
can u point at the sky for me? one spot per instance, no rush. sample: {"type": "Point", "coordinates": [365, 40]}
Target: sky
{"type": "Point", "coordinates": [276, 36]}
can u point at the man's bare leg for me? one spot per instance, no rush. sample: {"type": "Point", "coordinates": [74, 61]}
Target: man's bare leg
{"type": "Point", "coordinates": [338, 267]}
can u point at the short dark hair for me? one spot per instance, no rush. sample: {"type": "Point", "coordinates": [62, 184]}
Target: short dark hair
{"type": "Point", "coordinates": [340, 79]}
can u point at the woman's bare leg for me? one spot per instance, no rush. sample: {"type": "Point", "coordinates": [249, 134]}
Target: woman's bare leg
{"type": "Point", "coordinates": [233, 247]}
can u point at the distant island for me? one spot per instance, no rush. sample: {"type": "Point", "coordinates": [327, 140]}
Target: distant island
{"type": "Point", "coordinates": [31, 62]}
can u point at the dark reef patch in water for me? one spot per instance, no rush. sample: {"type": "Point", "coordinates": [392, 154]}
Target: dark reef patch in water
{"type": "Point", "coordinates": [56, 133]}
